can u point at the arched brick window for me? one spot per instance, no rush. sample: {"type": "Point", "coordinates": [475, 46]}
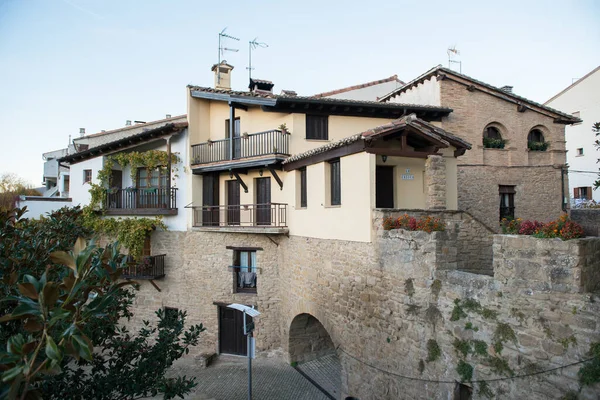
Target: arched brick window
{"type": "Point", "coordinates": [492, 138]}
{"type": "Point", "coordinates": [535, 140]}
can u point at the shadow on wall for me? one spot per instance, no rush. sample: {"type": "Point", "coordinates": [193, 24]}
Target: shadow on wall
{"type": "Point", "coordinates": [309, 339]}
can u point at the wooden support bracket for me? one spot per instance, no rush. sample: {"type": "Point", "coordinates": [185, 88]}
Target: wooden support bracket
{"type": "Point", "coordinates": [155, 285]}
{"type": "Point", "coordinates": [237, 177]}
{"type": "Point", "coordinates": [277, 178]}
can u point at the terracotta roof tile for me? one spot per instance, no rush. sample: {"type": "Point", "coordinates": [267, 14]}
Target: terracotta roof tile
{"type": "Point", "coordinates": [361, 86]}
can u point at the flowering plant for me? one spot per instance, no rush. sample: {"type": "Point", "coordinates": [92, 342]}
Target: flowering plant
{"type": "Point", "coordinates": [406, 222]}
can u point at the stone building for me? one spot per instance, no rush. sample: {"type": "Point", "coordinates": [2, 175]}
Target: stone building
{"type": "Point", "coordinates": [517, 167]}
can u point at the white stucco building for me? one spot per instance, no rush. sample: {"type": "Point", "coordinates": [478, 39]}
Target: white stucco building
{"type": "Point", "coordinates": [582, 99]}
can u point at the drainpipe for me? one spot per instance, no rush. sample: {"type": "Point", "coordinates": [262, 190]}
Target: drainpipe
{"type": "Point", "coordinates": [563, 171]}
{"type": "Point", "coordinates": [168, 138]}
{"type": "Point", "coordinates": [231, 128]}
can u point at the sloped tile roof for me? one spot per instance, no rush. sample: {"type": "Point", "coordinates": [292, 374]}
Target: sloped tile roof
{"type": "Point", "coordinates": [360, 86]}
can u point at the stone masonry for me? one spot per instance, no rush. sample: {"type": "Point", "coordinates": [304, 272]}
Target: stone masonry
{"type": "Point", "coordinates": [381, 304]}
{"type": "Point", "coordinates": [588, 218]}
{"type": "Point", "coordinates": [435, 175]}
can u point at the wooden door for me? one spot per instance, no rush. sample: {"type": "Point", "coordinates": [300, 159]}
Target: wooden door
{"type": "Point", "coordinates": [231, 331]}
{"type": "Point", "coordinates": [210, 200]}
{"type": "Point", "coordinates": [233, 203]}
{"type": "Point", "coordinates": [263, 201]}
{"type": "Point", "coordinates": [384, 187]}
{"type": "Point", "coordinates": [237, 140]}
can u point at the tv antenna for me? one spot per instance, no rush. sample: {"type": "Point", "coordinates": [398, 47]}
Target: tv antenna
{"type": "Point", "coordinates": [222, 50]}
{"type": "Point", "coordinates": [253, 45]}
{"type": "Point", "coordinates": [452, 54]}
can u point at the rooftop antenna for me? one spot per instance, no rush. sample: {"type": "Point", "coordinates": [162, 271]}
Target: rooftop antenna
{"type": "Point", "coordinates": [222, 49]}
{"type": "Point", "coordinates": [452, 54]}
{"type": "Point", "coordinates": [253, 45]}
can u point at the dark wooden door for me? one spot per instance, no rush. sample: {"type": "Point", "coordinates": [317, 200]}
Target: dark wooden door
{"type": "Point", "coordinates": [116, 183]}
{"type": "Point", "coordinates": [237, 140]}
{"type": "Point", "coordinates": [263, 201]}
{"type": "Point", "coordinates": [233, 202]}
{"type": "Point", "coordinates": [210, 200]}
{"type": "Point", "coordinates": [231, 332]}
{"type": "Point", "coordinates": [384, 187]}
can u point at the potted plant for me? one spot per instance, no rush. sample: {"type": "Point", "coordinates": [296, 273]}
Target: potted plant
{"type": "Point", "coordinates": [283, 128]}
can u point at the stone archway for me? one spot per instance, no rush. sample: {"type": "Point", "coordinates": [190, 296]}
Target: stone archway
{"type": "Point", "coordinates": [313, 353]}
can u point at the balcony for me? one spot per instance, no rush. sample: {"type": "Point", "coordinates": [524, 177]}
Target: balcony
{"type": "Point", "coordinates": [151, 267]}
{"type": "Point", "coordinates": [274, 142]}
{"type": "Point", "coordinates": [251, 218]}
{"type": "Point", "coordinates": [141, 201]}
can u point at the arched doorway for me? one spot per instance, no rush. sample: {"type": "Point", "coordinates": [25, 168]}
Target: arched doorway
{"type": "Point", "coordinates": [313, 353]}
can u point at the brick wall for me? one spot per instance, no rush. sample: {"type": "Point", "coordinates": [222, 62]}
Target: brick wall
{"type": "Point", "coordinates": [536, 174]}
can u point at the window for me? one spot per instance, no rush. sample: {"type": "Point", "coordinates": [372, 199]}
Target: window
{"type": "Point", "coordinates": [579, 151]}
{"type": "Point", "coordinates": [317, 127]}
{"type": "Point", "coordinates": [244, 265]}
{"type": "Point", "coordinates": [156, 178]}
{"type": "Point", "coordinates": [171, 314]}
{"type": "Point", "coordinates": [583, 193]}
{"type": "Point", "coordinates": [335, 182]}
{"type": "Point", "coordinates": [302, 173]}
{"type": "Point", "coordinates": [87, 176]}
{"type": "Point", "coordinates": [535, 141]}
{"type": "Point", "coordinates": [492, 139]}
{"type": "Point", "coordinates": [507, 202]}
{"type": "Point", "coordinates": [491, 132]}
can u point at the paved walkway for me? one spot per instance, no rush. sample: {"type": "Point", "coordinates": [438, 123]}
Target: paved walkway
{"type": "Point", "coordinates": [227, 379]}
{"type": "Point", "coordinates": [325, 372]}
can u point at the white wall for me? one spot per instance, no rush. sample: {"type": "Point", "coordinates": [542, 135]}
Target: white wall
{"type": "Point", "coordinates": [584, 97]}
{"type": "Point", "coordinates": [370, 93]}
{"type": "Point", "coordinates": [426, 93]}
{"type": "Point", "coordinates": [41, 206]}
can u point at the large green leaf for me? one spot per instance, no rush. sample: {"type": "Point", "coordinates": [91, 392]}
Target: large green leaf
{"type": "Point", "coordinates": [64, 258]}
{"type": "Point", "coordinates": [27, 289]}
{"type": "Point", "coordinates": [52, 350]}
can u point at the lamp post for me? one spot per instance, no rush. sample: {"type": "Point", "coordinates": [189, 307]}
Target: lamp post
{"type": "Point", "coordinates": [248, 329]}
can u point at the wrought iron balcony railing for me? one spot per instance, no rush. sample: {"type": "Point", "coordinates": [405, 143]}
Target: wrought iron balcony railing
{"type": "Point", "coordinates": [244, 215]}
{"type": "Point", "coordinates": [150, 267]}
{"type": "Point", "coordinates": [141, 198]}
{"type": "Point", "coordinates": [276, 142]}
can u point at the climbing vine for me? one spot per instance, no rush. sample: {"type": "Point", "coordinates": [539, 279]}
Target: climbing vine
{"type": "Point", "coordinates": [130, 232]}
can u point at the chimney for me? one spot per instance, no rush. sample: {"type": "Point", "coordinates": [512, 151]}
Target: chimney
{"type": "Point", "coordinates": [128, 122]}
{"type": "Point", "coordinates": [289, 93]}
{"type": "Point", "coordinates": [222, 75]}
{"type": "Point", "coordinates": [81, 132]}
{"type": "Point", "coordinates": [507, 89]}
{"type": "Point", "coordinates": [261, 86]}
{"type": "Point", "coordinates": [168, 116]}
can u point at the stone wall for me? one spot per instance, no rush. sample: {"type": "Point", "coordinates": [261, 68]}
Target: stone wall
{"type": "Point", "coordinates": [198, 279]}
{"type": "Point", "coordinates": [588, 218]}
{"type": "Point", "coordinates": [538, 192]}
{"type": "Point", "coordinates": [536, 175]}
{"type": "Point", "coordinates": [383, 304]}
{"type": "Point", "coordinates": [527, 264]}
{"type": "Point", "coordinates": [359, 294]}
{"type": "Point", "coordinates": [473, 238]}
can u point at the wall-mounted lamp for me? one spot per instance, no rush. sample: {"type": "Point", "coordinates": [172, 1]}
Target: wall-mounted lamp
{"type": "Point", "coordinates": [384, 158]}
{"type": "Point", "coordinates": [260, 172]}
{"type": "Point", "coordinates": [230, 174]}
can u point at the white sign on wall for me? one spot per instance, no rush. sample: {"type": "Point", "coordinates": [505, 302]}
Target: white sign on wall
{"type": "Point", "coordinates": [408, 176]}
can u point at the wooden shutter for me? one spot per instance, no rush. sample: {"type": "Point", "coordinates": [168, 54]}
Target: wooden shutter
{"type": "Point", "coordinates": [317, 127]}
{"type": "Point", "coordinates": [303, 187]}
{"type": "Point", "coordinates": [575, 193]}
{"type": "Point", "coordinates": [336, 186]}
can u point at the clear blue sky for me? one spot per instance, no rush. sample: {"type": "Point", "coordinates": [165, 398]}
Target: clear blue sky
{"type": "Point", "coordinates": [66, 64]}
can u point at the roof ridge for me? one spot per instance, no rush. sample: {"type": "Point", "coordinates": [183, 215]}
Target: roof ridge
{"type": "Point", "coordinates": [359, 86]}
{"type": "Point", "coordinates": [573, 84]}
{"type": "Point", "coordinates": [124, 128]}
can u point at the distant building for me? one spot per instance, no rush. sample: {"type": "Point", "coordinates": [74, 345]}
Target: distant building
{"type": "Point", "coordinates": [582, 99]}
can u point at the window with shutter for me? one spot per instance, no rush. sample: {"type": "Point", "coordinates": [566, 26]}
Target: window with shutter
{"type": "Point", "coordinates": [335, 180]}
{"type": "Point", "coordinates": [317, 127]}
{"type": "Point", "coordinates": [303, 187]}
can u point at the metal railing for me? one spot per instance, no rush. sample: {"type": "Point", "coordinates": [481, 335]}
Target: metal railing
{"type": "Point", "coordinates": [245, 215]}
{"type": "Point", "coordinates": [256, 144]}
{"type": "Point", "coordinates": [135, 198]}
{"type": "Point", "coordinates": [150, 267]}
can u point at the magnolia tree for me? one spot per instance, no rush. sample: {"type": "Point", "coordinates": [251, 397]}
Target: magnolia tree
{"type": "Point", "coordinates": [62, 300]}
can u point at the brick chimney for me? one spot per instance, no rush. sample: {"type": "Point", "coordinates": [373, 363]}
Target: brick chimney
{"type": "Point", "coordinates": [261, 86]}
{"type": "Point", "coordinates": [507, 89]}
{"type": "Point", "coordinates": [222, 75]}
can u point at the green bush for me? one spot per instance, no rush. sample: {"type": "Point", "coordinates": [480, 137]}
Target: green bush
{"type": "Point", "coordinates": [490, 143]}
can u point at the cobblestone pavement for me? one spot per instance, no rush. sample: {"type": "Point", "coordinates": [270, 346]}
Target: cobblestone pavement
{"type": "Point", "coordinates": [326, 371]}
{"type": "Point", "coordinates": [227, 379]}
